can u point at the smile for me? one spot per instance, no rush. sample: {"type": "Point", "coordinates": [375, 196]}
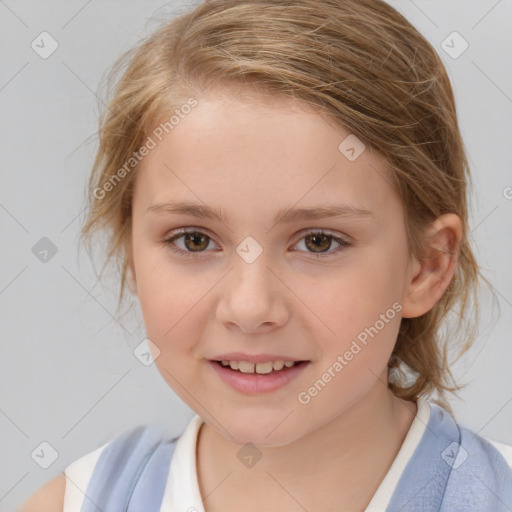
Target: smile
{"type": "Point", "coordinates": [246, 378]}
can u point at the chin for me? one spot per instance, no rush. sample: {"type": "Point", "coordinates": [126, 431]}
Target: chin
{"type": "Point", "coordinates": [264, 434]}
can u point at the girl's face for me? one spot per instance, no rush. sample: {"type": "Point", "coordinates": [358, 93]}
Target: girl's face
{"type": "Point", "coordinates": [253, 285]}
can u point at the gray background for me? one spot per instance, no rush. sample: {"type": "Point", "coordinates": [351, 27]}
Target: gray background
{"type": "Point", "coordinates": [67, 372]}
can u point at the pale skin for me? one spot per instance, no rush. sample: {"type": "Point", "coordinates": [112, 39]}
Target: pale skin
{"type": "Point", "coordinates": [252, 159]}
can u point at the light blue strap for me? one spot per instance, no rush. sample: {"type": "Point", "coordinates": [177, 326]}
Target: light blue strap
{"type": "Point", "coordinates": [423, 482]}
{"type": "Point", "coordinates": [135, 458]}
{"type": "Point", "coordinates": [482, 482]}
{"type": "Point", "coordinates": [150, 488]}
{"type": "Point", "coordinates": [453, 470]}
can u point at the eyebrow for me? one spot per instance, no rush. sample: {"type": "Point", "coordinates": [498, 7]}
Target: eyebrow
{"type": "Point", "coordinates": [284, 216]}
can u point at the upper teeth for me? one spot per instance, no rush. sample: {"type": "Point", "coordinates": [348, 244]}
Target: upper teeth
{"type": "Point", "coordinates": [247, 367]}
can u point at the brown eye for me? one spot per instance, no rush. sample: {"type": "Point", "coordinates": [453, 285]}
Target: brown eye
{"type": "Point", "coordinates": [195, 241]}
{"type": "Point", "coordinates": [319, 242]}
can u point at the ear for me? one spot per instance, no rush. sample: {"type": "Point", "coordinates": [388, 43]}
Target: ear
{"type": "Point", "coordinates": [431, 274]}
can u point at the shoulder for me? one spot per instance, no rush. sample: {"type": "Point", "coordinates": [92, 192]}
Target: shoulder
{"type": "Point", "coordinates": [481, 452]}
{"type": "Point", "coordinates": [454, 469]}
{"type": "Point", "coordinates": [49, 498]}
{"type": "Point", "coordinates": [115, 464]}
{"type": "Point", "coordinates": [66, 491]}
{"type": "Point", "coordinates": [124, 453]}
{"type": "Point", "coordinates": [77, 477]}
{"type": "Point", "coordinates": [504, 449]}
{"type": "Point", "coordinates": [471, 447]}
{"type": "Point", "coordinates": [481, 476]}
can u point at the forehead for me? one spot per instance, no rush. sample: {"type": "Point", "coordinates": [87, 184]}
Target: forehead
{"type": "Point", "coordinates": [267, 152]}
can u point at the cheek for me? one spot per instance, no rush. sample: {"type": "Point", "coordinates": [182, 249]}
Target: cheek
{"type": "Point", "coordinates": [361, 308]}
{"type": "Point", "coordinates": [168, 307]}
{"type": "Point", "coordinates": [365, 321]}
{"type": "Point", "coordinates": [356, 297]}
{"type": "Point", "coordinates": [174, 303]}
{"type": "Point", "coordinates": [161, 293]}
{"type": "Point", "coordinates": [174, 318]}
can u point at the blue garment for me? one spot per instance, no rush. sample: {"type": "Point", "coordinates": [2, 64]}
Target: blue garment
{"type": "Point", "coordinates": [451, 470]}
{"type": "Point", "coordinates": [131, 473]}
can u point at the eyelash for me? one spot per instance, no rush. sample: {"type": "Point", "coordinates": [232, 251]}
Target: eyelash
{"type": "Point", "coordinates": [168, 243]}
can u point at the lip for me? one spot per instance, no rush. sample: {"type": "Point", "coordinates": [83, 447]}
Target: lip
{"type": "Point", "coordinates": [255, 358]}
{"type": "Point", "coordinates": [254, 383]}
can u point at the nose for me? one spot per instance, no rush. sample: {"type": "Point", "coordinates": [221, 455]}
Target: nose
{"type": "Point", "coordinates": [253, 298]}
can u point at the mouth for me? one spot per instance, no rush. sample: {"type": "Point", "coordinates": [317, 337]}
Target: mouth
{"type": "Point", "coordinates": [247, 380]}
{"type": "Point", "coordinates": [248, 368]}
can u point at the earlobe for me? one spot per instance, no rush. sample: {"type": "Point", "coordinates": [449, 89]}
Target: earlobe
{"type": "Point", "coordinates": [432, 273]}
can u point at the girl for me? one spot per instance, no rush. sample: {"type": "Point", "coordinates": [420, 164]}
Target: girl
{"type": "Point", "coordinates": [285, 185]}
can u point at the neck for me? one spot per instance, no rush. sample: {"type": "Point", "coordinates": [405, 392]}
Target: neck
{"type": "Point", "coordinates": [344, 461]}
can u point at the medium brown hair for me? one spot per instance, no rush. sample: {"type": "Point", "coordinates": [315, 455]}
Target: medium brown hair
{"type": "Point", "coordinates": [358, 61]}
